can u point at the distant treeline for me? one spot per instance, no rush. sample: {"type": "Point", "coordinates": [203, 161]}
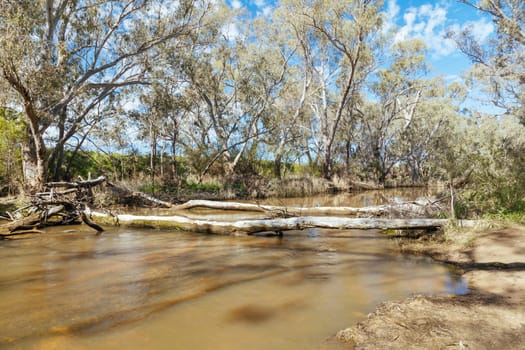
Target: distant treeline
{"type": "Point", "coordinates": [175, 92]}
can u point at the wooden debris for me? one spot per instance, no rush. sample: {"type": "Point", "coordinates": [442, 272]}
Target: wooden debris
{"type": "Point", "coordinates": [54, 207]}
{"type": "Point", "coordinates": [260, 225]}
{"type": "Point", "coordinates": [404, 209]}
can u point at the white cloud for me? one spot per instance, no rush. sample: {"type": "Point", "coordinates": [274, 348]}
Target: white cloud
{"type": "Point", "coordinates": [131, 104]}
{"type": "Point", "coordinates": [392, 10]}
{"type": "Point", "coordinates": [451, 78]}
{"type": "Point", "coordinates": [236, 4]}
{"type": "Point", "coordinates": [425, 10]}
{"type": "Point", "coordinates": [260, 3]}
{"type": "Point", "coordinates": [410, 17]}
{"type": "Point", "coordinates": [267, 11]}
{"type": "Point", "coordinates": [480, 29]}
{"type": "Point", "coordinates": [430, 23]}
{"type": "Point", "coordinates": [231, 31]}
{"type": "Point", "coordinates": [427, 22]}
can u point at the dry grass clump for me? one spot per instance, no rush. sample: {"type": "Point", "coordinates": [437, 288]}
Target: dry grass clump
{"type": "Point", "coordinates": [297, 187]}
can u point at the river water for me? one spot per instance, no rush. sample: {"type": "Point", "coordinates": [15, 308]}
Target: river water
{"type": "Point", "coordinates": [153, 289]}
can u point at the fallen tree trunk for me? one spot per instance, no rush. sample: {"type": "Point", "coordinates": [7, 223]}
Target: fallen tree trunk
{"type": "Point", "coordinates": [129, 197]}
{"type": "Point", "coordinates": [407, 209]}
{"type": "Point", "coordinates": [261, 225]}
{"type": "Point", "coordinates": [77, 184]}
{"type": "Point", "coordinates": [30, 222]}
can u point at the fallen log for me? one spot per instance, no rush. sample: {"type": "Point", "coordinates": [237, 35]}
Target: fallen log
{"type": "Point", "coordinates": [25, 223]}
{"type": "Point", "coordinates": [77, 184]}
{"type": "Point", "coordinates": [126, 196]}
{"type": "Point", "coordinates": [21, 232]}
{"type": "Point", "coordinates": [260, 225]}
{"type": "Point", "coordinates": [406, 209]}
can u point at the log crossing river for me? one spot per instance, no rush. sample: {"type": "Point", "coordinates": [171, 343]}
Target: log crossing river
{"type": "Point", "coordinates": [155, 289]}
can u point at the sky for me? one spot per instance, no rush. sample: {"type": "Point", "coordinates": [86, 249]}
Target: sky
{"type": "Point", "coordinates": [431, 21]}
{"type": "Point", "coordinates": [428, 20]}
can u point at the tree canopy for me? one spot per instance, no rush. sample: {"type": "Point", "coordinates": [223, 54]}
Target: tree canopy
{"type": "Point", "coordinates": [188, 89]}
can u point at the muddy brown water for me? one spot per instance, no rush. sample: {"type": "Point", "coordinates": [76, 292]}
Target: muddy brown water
{"type": "Point", "coordinates": [151, 289]}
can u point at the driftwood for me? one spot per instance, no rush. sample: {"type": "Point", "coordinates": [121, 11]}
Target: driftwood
{"type": "Point", "coordinates": [54, 207]}
{"type": "Point", "coordinates": [22, 224]}
{"type": "Point", "coordinates": [261, 225]}
{"type": "Point", "coordinates": [88, 184]}
{"type": "Point", "coordinates": [126, 196]}
{"type": "Point", "coordinates": [405, 209]}
{"type": "Point", "coordinates": [287, 218]}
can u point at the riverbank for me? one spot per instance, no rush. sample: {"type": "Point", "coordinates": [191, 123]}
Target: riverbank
{"type": "Point", "coordinates": [491, 316]}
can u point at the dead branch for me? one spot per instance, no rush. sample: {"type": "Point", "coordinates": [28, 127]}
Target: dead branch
{"type": "Point", "coordinates": [405, 209]}
{"type": "Point", "coordinates": [78, 184]}
{"type": "Point", "coordinates": [54, 208]}
{"type": "Point", "coordinates": [135, 196]}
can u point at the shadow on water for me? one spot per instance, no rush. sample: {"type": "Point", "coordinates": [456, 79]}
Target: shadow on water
{"type": "Point", "coordinates": [254, 313]}
{"type": "Point", "coordinates": [149, 288]}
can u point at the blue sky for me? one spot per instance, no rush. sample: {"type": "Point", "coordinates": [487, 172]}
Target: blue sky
{"type": "Point", "coordinates": [431, 21]}
{"type": "Point", "coordinates": [428, 20]}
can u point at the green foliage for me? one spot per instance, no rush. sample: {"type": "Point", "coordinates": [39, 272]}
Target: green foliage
{"type": "Point", "coordinates": [11, 137]}
{"type": "Point", "coordinates": [116, 166]}
{"type": "Point", "coordinates": [207, 99]}
{"type": "Point", "coordinates": [515, 216]}
{"type": "Point", "coordinates": [498, 64]}
{"type": "Point", "coordinates": [497, 157]}
{"type": "Point", "coordinates": [149, 188]}
{"type": "Point", "coordinates": [202, 187]}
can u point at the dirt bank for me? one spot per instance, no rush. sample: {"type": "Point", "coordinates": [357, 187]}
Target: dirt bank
{"type": "Point", "coordinates": [491, 316]}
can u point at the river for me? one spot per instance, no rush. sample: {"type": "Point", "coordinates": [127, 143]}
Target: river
{"type": "Point", "coordinates": [153, 289]}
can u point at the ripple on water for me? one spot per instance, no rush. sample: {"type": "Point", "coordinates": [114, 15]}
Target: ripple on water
{"type": "Point", "coordinates": [157, 289]}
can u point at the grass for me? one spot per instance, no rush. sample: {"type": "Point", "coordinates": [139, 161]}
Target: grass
{"type": "Point", "coordinates": [202, 187]}
{"type": "Point", "coordinates": [7, 207]}
{"type": "Point", "coordinates": [10, 204]}
{"type": "Point", "coordinates": [296, 187]}
{"type": "Point", "coordinates": [451, 240]}
{"type": "Point", "coordinates": [507, 217]}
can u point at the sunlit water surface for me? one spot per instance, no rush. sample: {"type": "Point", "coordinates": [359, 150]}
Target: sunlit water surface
{"type": "Point", "coordinates": [151, 289]}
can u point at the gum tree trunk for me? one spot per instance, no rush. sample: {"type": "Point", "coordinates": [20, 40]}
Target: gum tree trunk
{"type": "Point", "coordinates": [34, 163]}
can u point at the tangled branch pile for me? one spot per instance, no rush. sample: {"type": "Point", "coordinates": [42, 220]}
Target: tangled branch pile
{"type": "Point", "coordinates": [63, 203]}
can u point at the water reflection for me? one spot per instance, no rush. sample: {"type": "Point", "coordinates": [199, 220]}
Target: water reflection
{"type": "Point", "coordinates": [171, 290]}
{"type": "Point", "coordinates": [456, 284]}
{"type": "Point", "coordinates": [360, 199]}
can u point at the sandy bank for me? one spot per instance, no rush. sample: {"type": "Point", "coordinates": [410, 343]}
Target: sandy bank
{"type": "Point", "coordinates": [491, 316]}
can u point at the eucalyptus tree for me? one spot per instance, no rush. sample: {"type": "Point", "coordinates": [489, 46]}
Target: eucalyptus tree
{"type": "Point", "coordinates": [289, 133]}
{"type": "Point", "coordinates": [498, 177]}
{"type": "Point", "coordinates": [212, 81]}
{"type": "Point", "coordinates": [289, 119]}
{"type": "Point", "coordinates": [343, 37]}
{"type": "Point", "coordinates": [500, 63]}
{"type": "Point", "coordinates": [429, 136]}
{"type": "Point", "coordinates": [235, 82]}
{"type": "Point", "coordinates": [399, 88]}
{"type": "Point", "coordinates": [499, 71]}
{"type": "Point", "coordinates": [65, 58]}
{"type": "Point", "coordinates": [158, 121]}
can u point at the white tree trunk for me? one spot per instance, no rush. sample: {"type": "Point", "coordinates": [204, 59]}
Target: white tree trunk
{"type": "Point", "coordinates": [182, 223]}
{"type": "Point", "coordinates": [406, 209]}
